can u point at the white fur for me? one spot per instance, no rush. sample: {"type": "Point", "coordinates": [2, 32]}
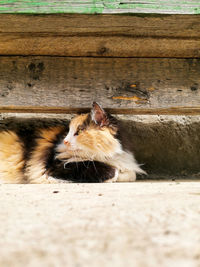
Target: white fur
{"type": "Point", "coordinates": [127, 166]}
{"type": "Point", "coordinates": [71, 138]}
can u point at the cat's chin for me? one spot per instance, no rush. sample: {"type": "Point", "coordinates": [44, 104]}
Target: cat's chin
{"type": "Point", "coordinates": [63, 148]}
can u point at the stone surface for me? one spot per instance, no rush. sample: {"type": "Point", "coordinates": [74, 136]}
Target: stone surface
{"type": "Point", "coordinates": [132, 224]}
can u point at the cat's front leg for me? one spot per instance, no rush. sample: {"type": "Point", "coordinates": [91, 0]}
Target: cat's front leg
{"type": "Point", "coordinates": [126, 176]}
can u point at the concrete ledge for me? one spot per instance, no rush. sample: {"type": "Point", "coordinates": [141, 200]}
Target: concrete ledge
{"type": "Point", "coordinates": [167, 145]}
{"type": "Point", "coordinates": [137, 224]}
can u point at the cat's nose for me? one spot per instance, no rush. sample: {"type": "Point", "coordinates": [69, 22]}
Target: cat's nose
{"type": "Point", "coordinates": [66, 142]}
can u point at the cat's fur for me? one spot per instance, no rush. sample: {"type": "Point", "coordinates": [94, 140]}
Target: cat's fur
{"type": "Point", "coordinates": [88, 150]}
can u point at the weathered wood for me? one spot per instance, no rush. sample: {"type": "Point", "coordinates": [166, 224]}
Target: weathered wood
{"type": "Point", "coordinates": [97, 36]}
{"type": "Point", "coordinates": [101, 6]}
{"type": "Point", "coordinates": [129, 111]}
{"type": "Point", "coordinates": [129, 86]}
{"type": "Point", "coordinates": [141, 25]}
{"type": "Point", "coordinates": [98, 46]}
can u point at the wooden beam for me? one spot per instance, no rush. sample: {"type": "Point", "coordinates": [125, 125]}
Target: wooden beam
{"type": "Point", "coordinates": [100, 6]}
{"type": "Point", "coordinates": [175, 36]}
{"type": "Point", "coordinates": [98, 46]}
{"type": "Point", "coordinates": [128, 86]}
{"type": "Point", "coordinates": [130, 111]}
{"type": "Point", "coordinates": [141, 25]}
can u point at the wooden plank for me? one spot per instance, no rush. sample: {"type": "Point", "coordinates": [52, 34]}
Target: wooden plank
{"type": "Point", "coordinates": [140, 25]}
{"type": "Point", "coordinates": [100, 6]}
{"type": "Point", "coordinates": [131, 86]}
{"type": "Point", "coordinates": [121, 111]}
{"type": "Point", "coordinates": [98, 46]}
{"type": "Point", "coordinates": [97, 36]}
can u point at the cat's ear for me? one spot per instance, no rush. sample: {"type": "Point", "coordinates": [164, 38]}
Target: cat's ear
{"type": "Point", "coordinates": [98, 115]}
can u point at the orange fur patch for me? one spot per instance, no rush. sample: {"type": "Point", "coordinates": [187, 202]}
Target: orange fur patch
{"type": "Point", "coordinates": [11, 158]}
{"type": "Point", "coordinates": [78, 120]}
{"type": "Point", "coordinates": [96, 139]}
{"type": "Point", "coordinates": [93, 142]}
{"type": "Point", "coordinates": [50, 133]}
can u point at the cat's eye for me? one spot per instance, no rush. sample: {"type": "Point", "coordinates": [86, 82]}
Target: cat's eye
{"type": "Point", "coordinates": [78, 132]}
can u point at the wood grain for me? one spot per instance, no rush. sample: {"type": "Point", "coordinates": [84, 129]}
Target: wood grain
{"type": "Point", "coordinates": [121, 111]}
{"type": "Point", "coordinates": [127, 86]}
{"type": "Point", "coordinates": [100, 6]}
{"type": "Point", "coordinates": [141, 25]}
{"type": "Point", "coordinates": [96, 36]}
{"type": "Point", "coordinates": [98, 46]}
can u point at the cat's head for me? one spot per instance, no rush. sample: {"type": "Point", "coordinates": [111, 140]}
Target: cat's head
{"type": "Point", "coordinates": [93, 135]}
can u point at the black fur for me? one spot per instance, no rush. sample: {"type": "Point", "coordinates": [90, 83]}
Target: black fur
{"type": "Point", "coordinates": [81, 172]}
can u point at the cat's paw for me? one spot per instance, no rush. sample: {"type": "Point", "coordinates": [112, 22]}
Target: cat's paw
{"type": "Point", "coordinates": [126, 176]}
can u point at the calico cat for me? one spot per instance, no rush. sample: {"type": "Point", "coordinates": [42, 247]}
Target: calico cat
{"type": "Point", "coordinates": [88, 150]}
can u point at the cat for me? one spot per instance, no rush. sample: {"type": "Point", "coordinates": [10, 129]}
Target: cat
{"type": "Point", "coordinates": [87, 150]}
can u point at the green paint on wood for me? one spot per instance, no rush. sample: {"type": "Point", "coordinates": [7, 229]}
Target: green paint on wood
{"type": "Point", "coordinates": [100, 6]}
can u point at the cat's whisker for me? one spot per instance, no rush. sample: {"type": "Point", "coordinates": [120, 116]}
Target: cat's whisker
{"type": "Point", "coordinates": [65, 165]}
{"type": "Point", "coordinates": [74, 153]}
{"type": "Point", "coordinates": [88, 164]}
{"type": "Point", "coordinates": [83, 163]}
{"type": "Point", "coordinates": [85, 159]}
{"type": "Point", "coordinates": [94, 166]}
{"type": "Point", "coordinates": [92, 160]}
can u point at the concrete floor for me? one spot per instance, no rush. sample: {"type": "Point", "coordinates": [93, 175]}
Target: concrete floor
{"type": "Point", "coordinates": [130, 224]}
